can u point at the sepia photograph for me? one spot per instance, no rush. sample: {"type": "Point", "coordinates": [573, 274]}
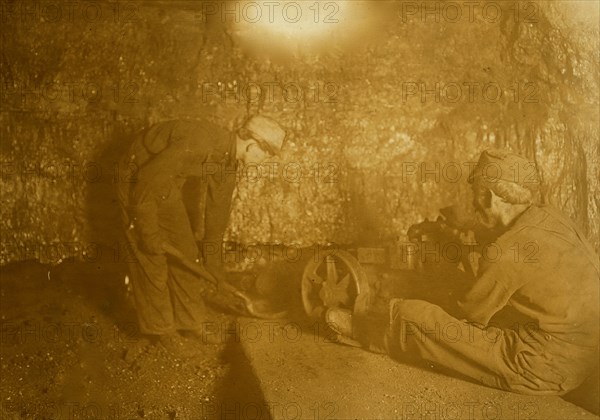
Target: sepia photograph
{"type": "Point", "coordinates": [300, 210]}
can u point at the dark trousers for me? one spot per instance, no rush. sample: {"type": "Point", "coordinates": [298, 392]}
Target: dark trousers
{"type": "Point", "coordinates": [524, 361]}
{"type": "Point", "coordinates": [168, 296]}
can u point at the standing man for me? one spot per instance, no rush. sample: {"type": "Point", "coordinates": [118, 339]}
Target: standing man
{"type": "Point", "coordinates": [168, 296]}
{"type": "Point", "coordinates": [544, 274]}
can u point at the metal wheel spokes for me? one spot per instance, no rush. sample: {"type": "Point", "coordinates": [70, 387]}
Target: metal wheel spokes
{"type": "Point", "coordinates": [332, 274]}
{"type": "Point", "coordinates": [336, 294]}
{"type": "Point", "coordinates": [313, 276]}
{"type": "Point", "coordinates": [335, 280]}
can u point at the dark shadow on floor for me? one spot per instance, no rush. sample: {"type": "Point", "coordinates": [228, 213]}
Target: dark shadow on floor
{"type": "Point", "coordinates": [240, 395]}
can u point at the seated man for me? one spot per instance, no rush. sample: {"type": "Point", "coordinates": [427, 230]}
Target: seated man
{"type": "Point", "coordinates": [168, 295]}
{"type": "Point", "coordinates": [544, 272]}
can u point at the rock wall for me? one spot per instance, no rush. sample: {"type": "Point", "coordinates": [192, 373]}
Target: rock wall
{"type": "Point", "coordinates": [381, 134]}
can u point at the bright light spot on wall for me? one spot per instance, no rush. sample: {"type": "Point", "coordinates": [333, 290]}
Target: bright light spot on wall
{"type": "Point", "coordinates": [284, 28]}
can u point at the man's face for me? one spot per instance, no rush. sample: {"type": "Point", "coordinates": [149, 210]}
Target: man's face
{"type": "Point", "coordinates": [248, 148]}
{"type": "Point", "coordinates": [486, 211]}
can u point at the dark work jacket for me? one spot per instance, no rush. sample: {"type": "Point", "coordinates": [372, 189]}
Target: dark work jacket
{"type": "Point", "coordinates": [545, 269]}
{"type": "Point", "coordinates": [167, 154]}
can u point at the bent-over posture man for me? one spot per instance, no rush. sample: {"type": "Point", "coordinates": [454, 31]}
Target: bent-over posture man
{"type": "Point", "coordinates": [544, 272]}
{"type": "Point", "coordinates": [168, 296]}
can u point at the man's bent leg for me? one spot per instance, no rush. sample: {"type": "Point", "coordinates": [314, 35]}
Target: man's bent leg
{"type": "Point", "coordinates": [189, 310]}
{"type": "Point", "coordinates": [149, 283]}
{"type": "Point", "coordinates": [186, 287]}
{"type": "Point", "coordinates": [488, 355]}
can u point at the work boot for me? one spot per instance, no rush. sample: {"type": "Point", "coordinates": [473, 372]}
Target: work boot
{"type": "Point", "coordinates": [340, 321]}
{"type": "Point", "coordinates": [368, 331]}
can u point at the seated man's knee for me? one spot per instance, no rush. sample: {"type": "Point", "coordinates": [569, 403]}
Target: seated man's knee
{"type": "Point", "coordinates": [412, 322]}
{"type": "Point", "coordinates": [411, 310]}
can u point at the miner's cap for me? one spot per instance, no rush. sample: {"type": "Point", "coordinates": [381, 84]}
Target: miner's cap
{"type": "Point", "coordinates": [497, 164]}
{"type": "Point", "coordinates": [267, 132]}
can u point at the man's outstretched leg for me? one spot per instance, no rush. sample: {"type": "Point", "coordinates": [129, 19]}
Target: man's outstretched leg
{"type": "Point", "coordinates": [496, 357]}
{"type": "Point", "coordinates": [514, 360]}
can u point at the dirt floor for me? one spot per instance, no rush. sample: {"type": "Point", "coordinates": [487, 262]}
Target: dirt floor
{"type": "Point", "coordinates": [71, 350]}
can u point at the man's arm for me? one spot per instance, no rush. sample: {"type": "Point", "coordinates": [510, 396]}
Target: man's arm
{"type": "Point", "coordinates": [217, 208]}
{"type": "Point", "coordinates": [218, 205]}
{"type": "Point", "coordinates": [486, 297]}
{"type": "Point", "coordinates": [198, 208]}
